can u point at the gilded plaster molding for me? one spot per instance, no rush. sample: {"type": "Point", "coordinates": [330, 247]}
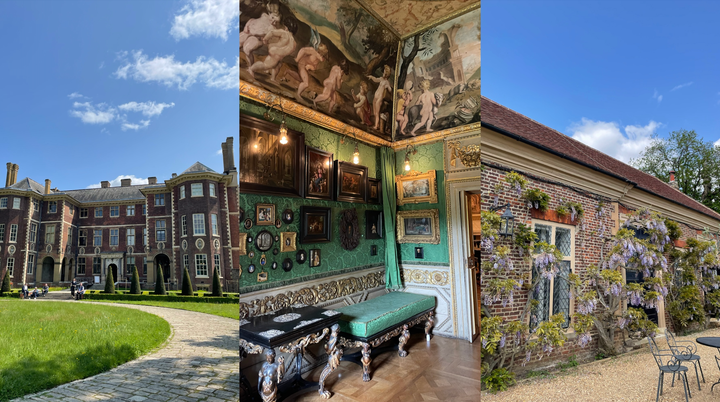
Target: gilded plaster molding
{"type": "Point", "coordinates": [421, 276]}
{"type": "Point", "coordinates": [436, 136]}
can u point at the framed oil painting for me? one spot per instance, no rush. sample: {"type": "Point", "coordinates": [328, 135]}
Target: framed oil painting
{"type": "Point", "coordinates": [315, 223]}
{"type": "Point", "coordinates": [319, 173]}
{"type": "Point", "coordinates": [351, 182]}
{"type": "Point", "coordinates": [416, 187]}
{"type": "Point", "coordinates": [287, 242]}
{"type": "Point", "coordinates": [264, 214]}
{"type": "Point", "coordinates": [314, 257]}
{"type": "Point", "coordinates": [374, 191]}
{"type": "Point", "coordinates": [420, 226]}
{"type": "Point", "coordinates": [266, 166]}
{"type": "Point", "coordinates": [373, 225]}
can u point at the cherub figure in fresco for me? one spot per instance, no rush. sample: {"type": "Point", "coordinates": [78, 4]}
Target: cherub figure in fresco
{"type": "Point", "coordinates": [332, 85]}
{"type": "Point", "coordinates": [383, 85]}
{"type": "Point", "coordinates": [255, 30]}
{"type": "Point", "coordinates": [429, 104]}
{"type": "Point", "coordinates": [362, 105]}
{"type": "Point", "coordinates": [280, 43]}
{"type": "Point", "coordinates": [403, 104]}
{"type": "Point", "coordinates": [307, 59]}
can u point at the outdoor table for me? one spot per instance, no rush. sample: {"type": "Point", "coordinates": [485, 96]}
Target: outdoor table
{"type": "Point", "coordinates": [713, 342]}
{"type": "Point", "coordinates": [289, 329]}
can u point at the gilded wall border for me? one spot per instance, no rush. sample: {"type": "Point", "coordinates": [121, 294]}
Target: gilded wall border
{"type": "Point", "coordinates": [422, 276]}
{"type": "Point", "coordinates": [436, 136]}
{"type": "Point", "coordinates": [312, 295]}
{"type": "Point", "coordinates": [462, 151]}
{"type": "Point", "coordinates": [257, 94]}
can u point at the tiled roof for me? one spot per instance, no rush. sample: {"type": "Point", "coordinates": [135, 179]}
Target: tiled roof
{"type": "Point", "coordinates": [107, 194]}
{"type": "Point", "coordinates": [513, 123]}
{"type": "Point", "coordinates": [29, 184]}
{"type": "Point", "coordinates": [198, 167]}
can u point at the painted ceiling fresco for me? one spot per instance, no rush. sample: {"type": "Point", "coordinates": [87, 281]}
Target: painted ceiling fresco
{"type": "Point", "coordinates": [406, 16]}
{"type": "Point", "coordinates": [330, 55]}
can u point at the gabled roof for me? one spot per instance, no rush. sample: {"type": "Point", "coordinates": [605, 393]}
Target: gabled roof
{"type": "Point", "coordinates": [514, 124]}
{"type": "Point", "coordinates": [198, 167]}
{"type": "Point", "coordinates": [107, 194]}
{"type": "Point", "coordinates": [28, 184]}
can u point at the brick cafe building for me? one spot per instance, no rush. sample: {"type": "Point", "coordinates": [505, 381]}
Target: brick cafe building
{"type": "Point", "coordinates": [190, 220]}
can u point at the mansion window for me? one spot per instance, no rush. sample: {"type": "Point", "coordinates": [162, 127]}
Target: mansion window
{"type": "Point", "coordinates": [98, 212]}
{"type": "Point", "coordinates": [81, 266]}
{"type": "Point", "coordinates": [13, 233]}
{"type": "Point", "coordinates": [82, 238]}
{"type": "Point", "coordinates": [16, 203]}
{"type": "Point", "coordinates": [83, 212]}
{"type": "Point", "coordinates": [33, 232]}
{"type": "Point", "coordinates": [160, 231]}
{"type": "Point", "coordinates": [36, 205]}
{"type": "Point", "coordinates": [186, 261]}
{"type": "Point", "coordinates": [214, 224]}
{"type": "Point", "coordinates": [131, 210]}
{"type": "Point", "coordinates": [217, 264]}
{"type": "Point", "coordinates": [97, 263]}
{"type": "Point", "coordinates": [201, 268]}
{"type": "Point", "coordinates": [182, 192]}
{"type": "Point", "coordinates": [72, 210]}
{"type": "Point", "coordinates": [3, 202]}
{"type": "Point", "coordinates": [553, 294]}
{"type": "Point", "coordinates": [52, 207]}
{"type": "Point", "coordinates": [159, 199]}
{"type": "Point", "coordinates": [69, 237]}
{"type": "Point", "coordinates": [144, 212]}
{"type": "Point", "coordinates": [196, 190]}
{"type": "Point", "coordinates": [144, 265]}
{"type": "Point", "coordinates": [50, 234]}
{"type": "Point", "coordinates": [144, 236]}
{"type": "Point", "coordinates": [183, 225]}
{"type": "Point", "coordinates": [11, 266]}
{"type": "Point", "coordinates": [31, 264]}
{"type": "Point", "coordinates": [211, 189]}
{"type": "Point", "coordinates": [114, 211]}
{"type": "Point", "coordinates": [130, 240]}
{"type": "Point", "coordinates": [97, 237]}
{"type": "Point", "coordinates": [199, 224]}
{"type": "Point", "coordinates": [2, 232]}
{"type": "Point", "coordinates": [114, 237]}
{"type": "Point", "coordinates": [130, 264]}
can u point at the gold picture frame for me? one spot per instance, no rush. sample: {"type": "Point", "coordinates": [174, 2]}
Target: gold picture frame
{"type": "Point", "coordinates": [416, 187]}
{"type": "Point", "coordinates": [420, 226]}
{"type": "Point", "coordinates": [287, 242]}
{"type": "Point", "coordinates": [243, 243]}
{"type": "Point", "coordinates": [265, 214]}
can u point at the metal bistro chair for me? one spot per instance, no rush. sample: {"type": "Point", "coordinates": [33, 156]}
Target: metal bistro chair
{"type": "Point", "coordinates": [668, 363]}
{"type": "Point", "coordinates": [685, 354]}
{"type": "Point", "coordinates": [717, 361]}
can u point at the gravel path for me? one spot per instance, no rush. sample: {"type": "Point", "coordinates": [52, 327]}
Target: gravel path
{"type": "Point", "coordinates": [631, 377]}
{"type": "Point", "coordinates": [200, 362]}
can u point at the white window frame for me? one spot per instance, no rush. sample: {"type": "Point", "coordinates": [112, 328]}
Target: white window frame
{"type": "Point", "coordinates": [130, 264]}
{"type": "Point", "coordinates": [83, 213]}
{"type": "Point", "coordinates": [183, 226]}
{"type": "Point", "coordinates": [33, 232]}
{"type": "Point", "coordinates": [196, 190]}
{"type": "Point", "coordinates": [160, 229]}
{"type": "Point", "coordinates": [115, 211]}
{"type": "Point", "coordinates": [97, 262]}
{"type": "Point", "coordinates": [570, 258]}
{"type": "Point", "coordinates": [11, 266]}
{"type": "Point", "coordinates": [199, 225]}
{"type": "Point", "coordinates": [130, 210]}
{"type": "Point", "coordinates": [81, 264]}
{"type": "Point", "coordinates": [16, 202]}
{"type": "Point", "coordinates": [186, 261]}
{"type": "Point", "coordinates": [159, 200]}
{"type": "Point", "coordinates": [3, 203]}
{"type": "Point", "coordinates": [216, 260]}
{"type": "Point", "coordinates": [182, 192]}
{"type": "Point", "coordinates": [96, 237]}
{"type": "Point", "coordinates": [69, 236]}
{"type": "Point", "coordinates": [144, 211]}
{"type": "Point", "coordinates": [200, 260]}
{"type": "Point", "coordinates": [49, 234]}
{"type": "Point", "coordinates": [100, 210]}
{"type": "Point", "coordinates": [115, 237]}
{"type": "Point", "coordinates": [211, 190]}
{"type": "Point", "coordinates": [130, 236]}
{"type": "Point", "coordinates": [214, 224]}
{"type": "Point", "coordinates": [145, 236]}
{"type": "Point", "coordinates": [13, 233]}
{"type": "Point", "coordinates": [36, 205]}
{"type": "Point", "coordinates": [2, 232]}
{"type": "Point", "coordinates": [52, 207]}
{"type": "Point", "coordinates": [82, 234]}
{"type": "Point", "coordinates": [31, 264]}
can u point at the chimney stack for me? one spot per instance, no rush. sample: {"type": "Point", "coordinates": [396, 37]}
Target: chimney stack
{"type": "Point", "coordinates": [125, 182]}
{"type": "Point", "coordinates": [231, 153]}
{"type": "Point", "coordinates": [47, 186]}
{"type": "Point", "coordinates": [15, 169]}
{"type": "Point", "coordinates": [174, 175]}
{"type": "Point", "coordinates": [104, 184]}
{"type": "Point", "coordinates": [8, 176]}
{"type": "Point", "coordinates": [152, 180]}
{"type": "Point", "coordinates": [672, 181]}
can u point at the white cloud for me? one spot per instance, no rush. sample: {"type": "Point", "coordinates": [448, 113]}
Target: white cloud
{"type": "Point", "coordinates": [93, 114]}
{"type": "Point", "coordinates": [131, 126]}
{"type": "Point", "coordinates": [687, 84]}
{"type": "Point", "coordinates": [76, 95]}
{"type": "Point", "coordinates": [116, 181]}
{"type": "Point", "coordinates": [210, 18]}
{"type": "Point", "coordinates": [657, 96]}
{"type": "Point", "coordinates": [102, 64]}
{"type": "Point", "coordinates": [166, 70]}
{"type": "Point", "coordinates": [607, 137]}
{"type": "Point", "coordinates": [219, 152]}
{"type": "Point", "coordinates": [147, 108]}
{"type": "Point", "coordinates": [717, 143]}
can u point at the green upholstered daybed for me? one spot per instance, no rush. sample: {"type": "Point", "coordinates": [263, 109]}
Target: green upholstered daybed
{"type": "Point", "coordinates": [373, 322]}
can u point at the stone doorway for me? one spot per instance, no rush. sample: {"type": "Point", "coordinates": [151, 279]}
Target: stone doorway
{"type": "Point", "coordinates": [48, 268]}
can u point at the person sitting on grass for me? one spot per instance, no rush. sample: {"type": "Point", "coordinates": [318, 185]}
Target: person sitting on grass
{"type": "Point", "coordinates": [80, 291]}
{"type": "Point", "coordinates": [45, 290]}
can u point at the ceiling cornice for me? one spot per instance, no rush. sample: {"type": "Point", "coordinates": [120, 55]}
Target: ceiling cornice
{"type": "Point", "coordinates": [443, 20]}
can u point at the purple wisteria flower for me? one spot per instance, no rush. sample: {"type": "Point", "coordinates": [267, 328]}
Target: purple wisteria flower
{"type": "Point", "coordinates": [635, 297]}
{"type": "Point", "coordinates": [584, 339]}
{"type": "Point", "coordinates": [502, 341]}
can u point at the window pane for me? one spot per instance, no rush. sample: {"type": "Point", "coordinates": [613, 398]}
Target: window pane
{"type": "Point", "coordinates": [543, 233]}
{"type": "Point", "coordinates": [115, 211]}
{"type": "Point", "coordinates": [561, 292]}
{"type": "Point", "coordinates": [211, 186]}
{"type": "Point", "coordinates": [98, 212]}
{"type": "Point", "coordinates": [563, 240]}
{"type": "Point", "coordinates": [199, 224]}
{"type": "Point", "coordinates": [16, 203]}
{"type": "Point", "coordinates": [196, 190]}
{"type": "Point", "coordinates": [542, 295]}
{"type": "Point", "coordinates": [3, 202]}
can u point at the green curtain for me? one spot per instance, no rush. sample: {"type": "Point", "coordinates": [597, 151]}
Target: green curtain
{"type": "Point", "coordinates": [392, 269]}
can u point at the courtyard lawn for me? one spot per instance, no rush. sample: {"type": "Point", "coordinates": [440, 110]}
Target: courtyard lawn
{"type": "Point", "coordinates": [45, 344]}
{"type": "Point", "coordinates": [230, 310]}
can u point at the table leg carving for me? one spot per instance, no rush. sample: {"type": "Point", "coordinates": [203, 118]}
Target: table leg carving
{"type": "Point", "coordinates": [403, 341]}
{"type": "Point", "coordinates": [270, 375]}
{"type": "Point", "coordinates": [334, 353]}
{"type": "Point", "coordinates": [366, 360]}
{"type": "Point", "coordinates": [429, 324]}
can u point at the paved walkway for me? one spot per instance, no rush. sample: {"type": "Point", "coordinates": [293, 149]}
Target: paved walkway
{"type": "Point", "coordinates": [201, 362]}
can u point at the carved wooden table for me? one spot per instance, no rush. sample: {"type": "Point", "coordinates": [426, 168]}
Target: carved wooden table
{"type": "Point", "coordinates": [290, 330]}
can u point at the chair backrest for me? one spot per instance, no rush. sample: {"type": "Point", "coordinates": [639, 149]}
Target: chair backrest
{"type": "Point", "coordinates": [655, 350]}
{"type": "Point", "coordinates": [671, 341]}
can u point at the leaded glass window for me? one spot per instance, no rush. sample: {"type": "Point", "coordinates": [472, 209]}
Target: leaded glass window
{"type": "Point", "coordinates": [553, 294]}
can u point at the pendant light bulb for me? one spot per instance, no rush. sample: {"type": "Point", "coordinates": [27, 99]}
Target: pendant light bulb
{"type": "Point", "coordinates": [407, 163]}
{"type": "Point", "coordinates": [283, 132]}
{"type": "Point", "coordinates": [356, 155]}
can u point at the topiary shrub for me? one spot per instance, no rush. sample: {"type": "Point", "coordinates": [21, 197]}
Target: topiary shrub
{"type": "Point", "coordinates": [159, 282]}
{"type": "Point", "coordinates": [110, 283]}
{"type": "Point", "coordinates": [135, 282]}
{"type": "Point", "coordinates": [217, 286]}
{"type": "Point", "coordinates": [5, 283]}
{"type": "Point", "coordinates": [187, 289]}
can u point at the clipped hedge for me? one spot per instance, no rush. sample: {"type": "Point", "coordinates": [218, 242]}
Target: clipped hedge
{"type": "Point", "coordinates": [168, 298]}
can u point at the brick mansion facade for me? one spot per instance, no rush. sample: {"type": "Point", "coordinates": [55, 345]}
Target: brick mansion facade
{"type": "Point", "coordinates": [188, 221]}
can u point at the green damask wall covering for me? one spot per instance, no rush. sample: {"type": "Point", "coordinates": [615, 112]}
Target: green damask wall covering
{"type": "Point", "coordinates": [334, 258]}
{"type": "Point", "coordinates": [428, 157]}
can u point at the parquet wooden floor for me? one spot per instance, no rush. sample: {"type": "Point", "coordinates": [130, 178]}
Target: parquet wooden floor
{"type": "Point", "coordinates": [441, 370]}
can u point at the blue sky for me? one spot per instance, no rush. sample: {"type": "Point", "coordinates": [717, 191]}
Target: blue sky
{"type": "Point", "coordinates": [95, 90]}
{"type": "Point", "coordinates": [608, 73]}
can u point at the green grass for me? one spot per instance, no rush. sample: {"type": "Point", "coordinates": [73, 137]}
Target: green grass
{"type": "Point", "coordinates": [222, 310]}
{"type": "Point", "coordinates": [45, 344]}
